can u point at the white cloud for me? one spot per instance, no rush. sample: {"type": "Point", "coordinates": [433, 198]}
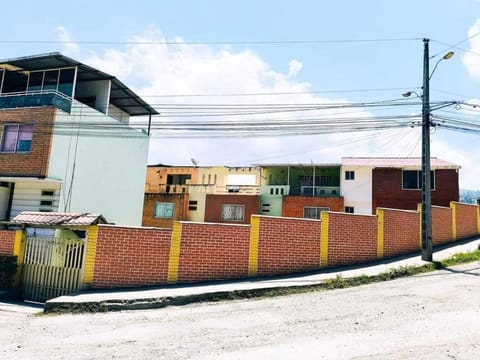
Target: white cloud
{"type": "Point", "coordinates": [471, 60]}
{"type": "Point", "coordinates": [294, 67]}
{"type": "Point", "coordinates": [69, 46]}
{"type": "Point", "coordinates": [153, 68]}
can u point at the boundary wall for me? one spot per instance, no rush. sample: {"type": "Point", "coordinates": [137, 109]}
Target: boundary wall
{"type": "Point", "coordinates": [191, 252]}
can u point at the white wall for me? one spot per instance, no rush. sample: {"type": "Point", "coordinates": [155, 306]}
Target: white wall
{"type": "Point", "coordinates": [27, 196]}
{"type": "Point", "coordinates": [357, 192]}
{"type": "Point", "coordinates": [103, 170]}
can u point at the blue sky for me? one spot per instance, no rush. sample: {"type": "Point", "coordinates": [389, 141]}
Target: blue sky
{"type": "Point", "coordinates": [322, 72]}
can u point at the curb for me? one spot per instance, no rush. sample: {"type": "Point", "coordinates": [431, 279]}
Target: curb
{"type": "Point", "coordinates": [156, 303]}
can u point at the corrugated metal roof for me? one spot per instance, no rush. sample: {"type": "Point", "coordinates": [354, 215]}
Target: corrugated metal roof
{"type": "Point", "coordinates": [120, 95]}
{"type": "Point", "coordinates": [391, 162]}
{"type": "Point", "coordinates": [58, 219]}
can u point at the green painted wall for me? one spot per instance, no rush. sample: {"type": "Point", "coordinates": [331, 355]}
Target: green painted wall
{"type": "Point", "coordinates": [324, 176]}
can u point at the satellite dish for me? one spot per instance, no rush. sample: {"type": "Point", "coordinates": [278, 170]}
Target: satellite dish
{"type": "Point", "coordinates": [194, 161]}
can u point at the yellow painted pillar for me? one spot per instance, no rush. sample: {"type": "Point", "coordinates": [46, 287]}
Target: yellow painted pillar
{"type": "Point", "coordinates": [90, 254]}
{"type": "Point", "coordinates": [380, 233]}
{"type": "Point", "coordinates": [253, 249]}
{"type": "Point", "coordinates": [453, 206]}
{"type": "Point", "coordinates": [174, 256]}
{"type": "Point", "coordinates": [19, 252]}
{"type": "Point", "coordinates": [324, 217]}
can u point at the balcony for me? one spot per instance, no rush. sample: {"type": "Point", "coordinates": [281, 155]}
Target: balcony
{"type": "Point", "coordinates": [35, 99]}
{"type": "Point", "coordinates": [317, 191]}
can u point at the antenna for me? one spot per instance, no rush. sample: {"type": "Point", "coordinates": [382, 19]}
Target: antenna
{"type": "Point", "coordinates": [194, 161]}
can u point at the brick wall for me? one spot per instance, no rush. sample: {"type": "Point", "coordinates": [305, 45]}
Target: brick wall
{"type": "Point", "coordinates": [466, 220]}
{"type": "Point", "coordinates": [287, 245]}
{"type": "Point", "coordinates": [131, 257]}
{"type": "Point", "coordinates": [35, 162]}
{"type": "Point", "coordinates": [213, 252]}
{"type": "Point", "coordinates": [293, 205]}
{"type": "Point", "coordinates": [180, 202]}
{"type": "Point", "coordinates": [401, 232]}
{"type": "Point", "coordinates": [441, 225]}
{"type": "Point", "coordinates": [388, 193]}
{"type": "Point", "coordinates": [7, 240]}
{"type": "Point", "coordinates": [214, 204]}
{"type": "Point", "coordinates": [352, 239]}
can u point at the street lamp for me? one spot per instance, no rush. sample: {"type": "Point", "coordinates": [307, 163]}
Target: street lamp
{"type": "Point", "coordinates": [426, 179]}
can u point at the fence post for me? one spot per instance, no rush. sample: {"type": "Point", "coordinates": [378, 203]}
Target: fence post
{"type": "Point", "coordinates": [324, 217]}
{"type": "Point", "coordinates": [453, 206]}
{"type": "Point", "coordinates": [380, 233]}
{"type": "Point", "coordinates": [253, 248]}
{"type": "Point", "coordinates": [90, 254]}
{"type": "Point", "coordinates": [19, 252]}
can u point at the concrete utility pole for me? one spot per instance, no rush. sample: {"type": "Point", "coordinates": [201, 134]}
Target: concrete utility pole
{"type": "Point", "coordinates": [426, 179]}
{"type": "Point", "coordinates": [426, 173]}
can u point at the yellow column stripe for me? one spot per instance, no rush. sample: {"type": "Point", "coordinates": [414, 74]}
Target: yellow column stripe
{"type": "Point", "coordinates": [174, 257]}
{"type": "Point", "coordinates": [19, 252]}
{"type": "Point", "coordinates": [324, 217]}
{"type": "Point", "coordinates": [253, 249]}
{"type": "Point", "coordinates": [453, 206]}
{"type": "Point", "coordinates": [380, 233]}
{"type": "Point", "coordinates": [19, 246]}
{"type": "Point", "coordinates": [91, 252]}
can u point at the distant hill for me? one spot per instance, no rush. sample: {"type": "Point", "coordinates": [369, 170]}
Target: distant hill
{"type": "Point", "coordinates": [469, 196]}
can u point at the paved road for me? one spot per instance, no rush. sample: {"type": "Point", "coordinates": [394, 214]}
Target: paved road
{"type": "Point", "coordinates": [433, 316]}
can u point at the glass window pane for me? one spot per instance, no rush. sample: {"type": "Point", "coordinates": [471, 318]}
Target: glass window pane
{"type": "Point", "coordinates": [233, 212]}
{"type": "Point", "coordinates": [14, 82]}
{"type": "Point", "coordinates": [9, 138]}
{"type": "Point", "coordinates": [25, 138]}
{"type": "Point", "coordinates": [50, 80]}
{"type": "Point", "coordinates": [65, 83]}
{"type": "Point", "coordinates": [163, 210]}
{"type": "Point", "coordinates": [410, 179]}
{"type": "Point", "coordinates": [35, 81]}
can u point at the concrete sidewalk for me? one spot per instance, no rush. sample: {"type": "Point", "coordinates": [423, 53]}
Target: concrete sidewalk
{"type": "Point", "coordinates": [178, 295]}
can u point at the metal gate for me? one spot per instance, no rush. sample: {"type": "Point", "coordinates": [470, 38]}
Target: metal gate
{"type": "Point", "coordinates": [51, 267]}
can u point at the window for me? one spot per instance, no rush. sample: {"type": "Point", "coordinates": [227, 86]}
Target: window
{"type": "Point", "coordinates": [192, 205]}
{"type": "Point", "coordinates": [325, 180]}
{"type": "Point", "coordinates": [412, 180]}
{"type": "Point", "coordinates": [163, 210]}
{"type": "Point", "coordinates": [349, 209]}
{"type": "Point", "coordinates": [265, 208]}
{"type": "Point", "coordinates": [349, 175]}
{"type": "Point", "coordinates": [313, 212]}
{"type": "Point", "coordinates": [17, 138]}
{"type": "Point", "coordinates": [48, 192]}
{"type": "Point", "coordinates": [233, 212]}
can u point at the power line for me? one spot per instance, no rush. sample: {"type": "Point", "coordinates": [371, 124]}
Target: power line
{"type": "Point", "coordinates": [454, 46]}
{"type": "Point", "coordinates": [221, 42]}
{"type": "Point", "coordinates": [282, 93]}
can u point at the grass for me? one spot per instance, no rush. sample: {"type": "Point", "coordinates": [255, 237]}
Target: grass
{"type": "Point", "coordinates": [338, 282]}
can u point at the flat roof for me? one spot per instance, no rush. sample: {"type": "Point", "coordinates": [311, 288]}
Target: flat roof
{"type": "Point", "coordinates": [299, 165]}
{"type": "Point", "coordinates": [120, 96]}
{"type": "Point", "coordinates": [397, 162]}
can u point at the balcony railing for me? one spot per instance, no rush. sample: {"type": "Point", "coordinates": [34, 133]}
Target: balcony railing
{"type": "Point", "coordinates": [318, 191]}
{"type": "Point", "coordinates": [35, 99]}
